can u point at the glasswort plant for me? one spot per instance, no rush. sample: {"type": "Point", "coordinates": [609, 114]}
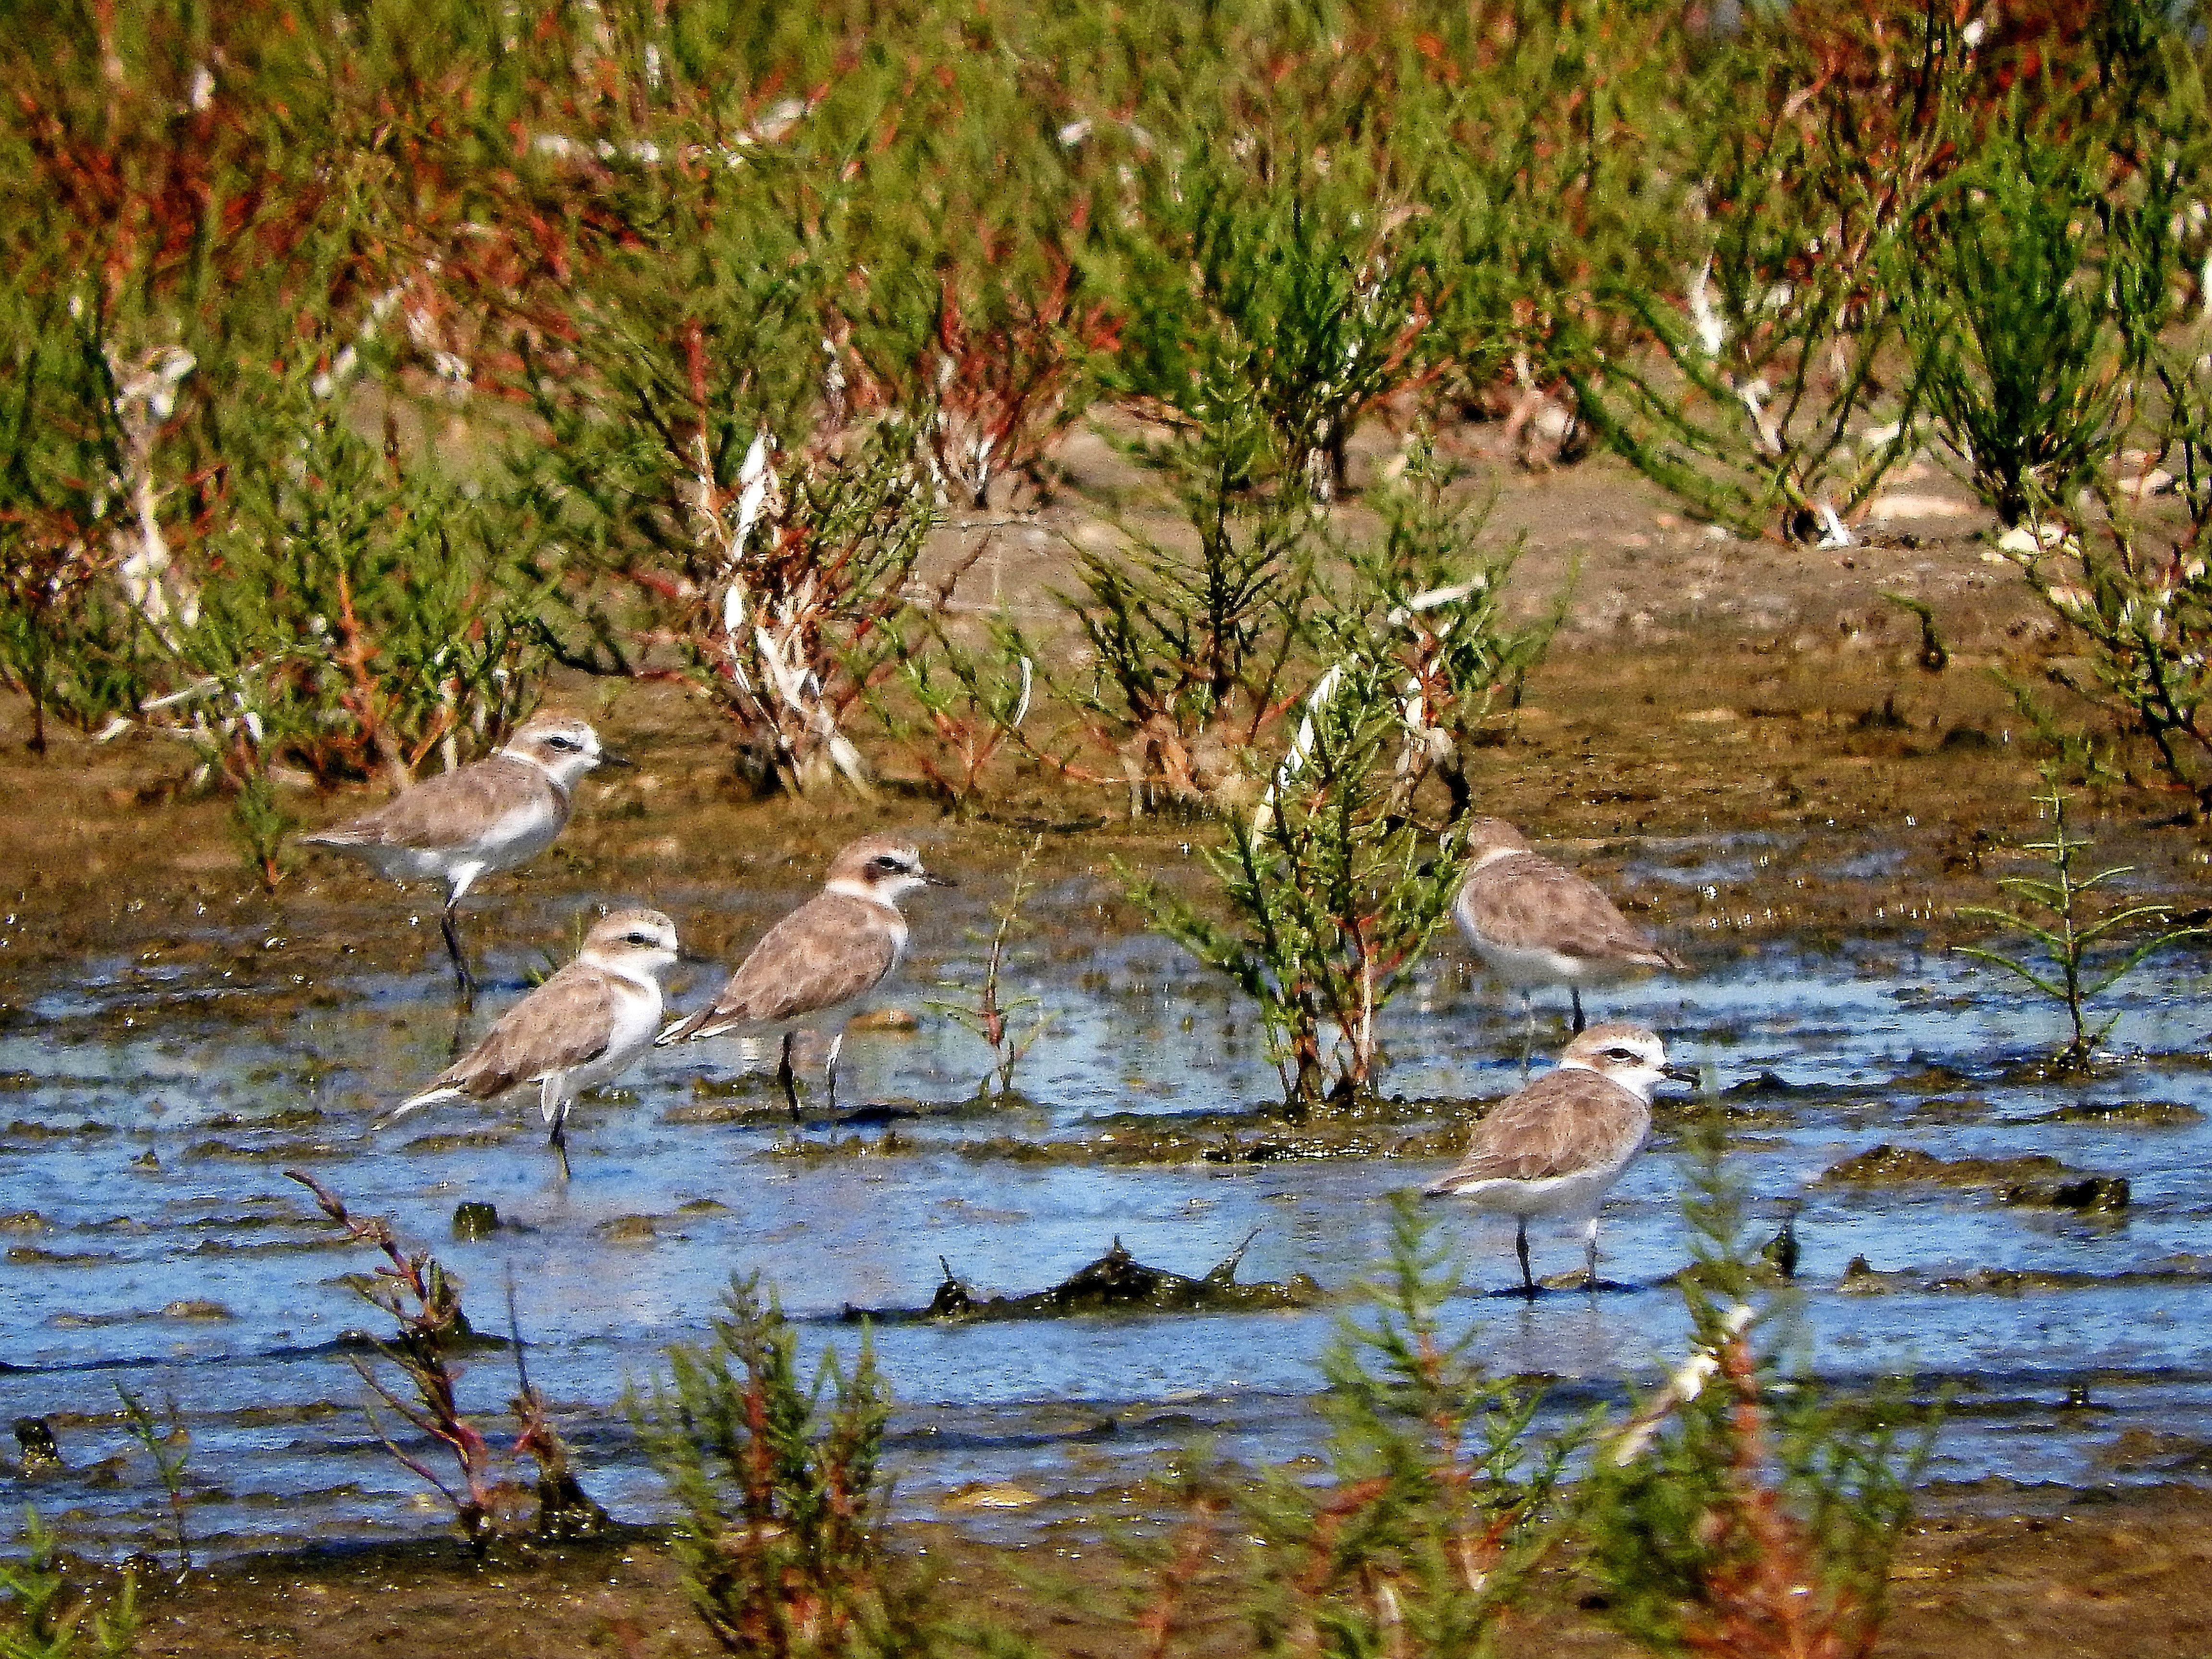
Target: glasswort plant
{"type": "Point", "coordinates": [2054, 917]}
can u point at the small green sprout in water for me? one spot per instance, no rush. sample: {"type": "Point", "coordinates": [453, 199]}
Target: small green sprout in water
{"type": "Point", "coordinates": [983, 1010]}
{"type": "Point", "coordinates": [169, 1443]}
{"type": "Point", "coordinates": [44, 1613]}
{"type": "Point", "coordinates": [2073, 938]}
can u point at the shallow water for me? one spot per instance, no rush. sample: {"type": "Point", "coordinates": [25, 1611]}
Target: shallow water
{"type": "Point", "coordinates": [149, 1101]}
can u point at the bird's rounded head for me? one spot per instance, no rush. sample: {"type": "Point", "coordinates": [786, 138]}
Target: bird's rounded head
{"type": "Point", "coordinates": [1625, 1052]}
{"type": "Point", "coordinates": [563, 745]}
{"type": "Point", "coordinates": [880, 868]}
{"type": "Point", "coordinates": [637, 943]}
{"type": "Point", "coordinates": [1490, 838]}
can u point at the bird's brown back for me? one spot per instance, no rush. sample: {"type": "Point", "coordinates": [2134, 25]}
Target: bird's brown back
{"type": "Point", "coordinates": [1565, 1122]}
{"type": "Point", "coordinates": [831, 949]}
{"type": "Point", "coordinates": [1524, 902]}
{"type": "Point", "coordinates": [451, 809]}
{"type": "Point", "coordinates": [565, 1022]}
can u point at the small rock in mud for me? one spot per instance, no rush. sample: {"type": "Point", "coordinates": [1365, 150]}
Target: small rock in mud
{"type": "Point", "coordinates": [709, 1112]}
{"type": "Point", "coordinates": [897, 1020]}
{"type": "Point", "coordinates": [2088, 1193]}
{"type": "Point", "coordinates": [2149, 1114]}
{"type": "Point", "coordinates": [30, 1255]}
{"type": "Point", "coordinates": [198, 1309]}
{"type": "Point", "coordinates": [474, 1218]}
{"type": "Point", "coordinates": [1767, 1083]}
{"type": "Point", "coordinates": [2036, 1179]}
{"type": "Point", "coordinates": [289, 1152]}
{"type": "Point", "coordinates": [2152, 1449]}
{"type": "Point", "coordinates": [991, 1495]}
{"type": "Point", "coordinates": [457, 1140]}
{"type": "Point", "coordinates": [23, 1221]}
{"type": "Point", "coordinates": [699, 1207]}
{"type": "Point", "coordinates": [1895, 1166]}
{"type": "Point", "coordinates": [1116, 1283]}
{"type": "Point", "coordinates": [628, 1229]}
{"type": "Point", "coordinates": [41, 1454]}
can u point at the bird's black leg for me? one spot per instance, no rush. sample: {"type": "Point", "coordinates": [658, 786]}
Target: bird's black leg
{"type": "Point", "coordinates": [1576, 991]}
{"type": "Point", "coordinates": [1521, 1248]}
{"type": "Point", "coordinates": [1589, 1258]}
{"type": "Point", "coordinates": [788, 1077]}
{"type": "Point", "coordinates": [463, 980]}
{"type": "Point", "coordinates": [1528, 1030]}
{"type": "Point", "coordinates": [830, 1071]}
{"type": "Point", "coordinates": [558, 1140]}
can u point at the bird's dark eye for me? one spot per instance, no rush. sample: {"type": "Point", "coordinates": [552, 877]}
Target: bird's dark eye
{"type": "Point", "coordinates": [640, 938]}
{"type": "Point", "coordinates": [563, 743]}
{"type": "Point", "coordinates": [1628, 1055]}
{"type": "Point", "coordinates": [887, 866]}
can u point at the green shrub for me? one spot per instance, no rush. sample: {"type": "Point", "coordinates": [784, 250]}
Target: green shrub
{"type": "Point", "coordinates": [1743, 1509]}
{"type": "Point", "coordinates": [2023, 360]}
{"type": "Point", "coordinates": [1435, 1500]}
{"type": "Point", "coordinates": [1330, 893]}
{"type": "Point", "coordinates": [780, 1497]}
{"type": "Point", "coordinates": [1764, 402]}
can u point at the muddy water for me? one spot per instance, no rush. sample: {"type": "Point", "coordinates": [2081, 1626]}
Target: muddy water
{"type": "Point", "coordinates": [150, 1098]}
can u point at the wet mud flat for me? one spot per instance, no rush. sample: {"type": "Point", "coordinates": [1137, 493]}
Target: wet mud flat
{"type": "Point", "coordinates": [2121, 1575]}
{"type": "Point", "coordinates": [1798, 812]}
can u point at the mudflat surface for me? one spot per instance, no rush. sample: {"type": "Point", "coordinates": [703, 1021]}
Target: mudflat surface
{"type": "Point", "coordinates": [2111, 1577]}
{"type": "Point", "coordinates": [1740, 740]}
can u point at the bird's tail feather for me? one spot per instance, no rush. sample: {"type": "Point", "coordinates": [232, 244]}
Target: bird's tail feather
{"type": "Point", "coordinates": [693, 1025]}
{"type": "Point", "coordinates": [416, 1102]}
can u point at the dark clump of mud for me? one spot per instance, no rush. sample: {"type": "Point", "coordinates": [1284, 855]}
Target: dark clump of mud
{"type": "Point", "coordinates": [1115, 1283]}
{"type": "Point", "coordinates": [2036, 1178]}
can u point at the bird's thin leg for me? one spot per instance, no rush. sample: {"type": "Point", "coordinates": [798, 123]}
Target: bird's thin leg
{"type": "Point", "coordinates": [558, 1140]}
{"type": "Point", "coordinates": [1589, 1257]}
{"type": "Point", "coordinates": [463, 980]}
{"type": "Point", "coordinates": [1521, 1248]}
{"type": "Point", "coordinates": [788, 1077]}
{"type": "Point", "coordinates": [1529, 1029]}
{"type": "Point", "coordinates": [829, 1070]}
{"type": "Point", "coordinates": [1576, 991]}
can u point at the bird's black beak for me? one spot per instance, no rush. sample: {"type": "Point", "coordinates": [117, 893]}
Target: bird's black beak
{"type": "Point", "coordinates": [1689, 1075]}
{"type": "Point", "coordinates": [936, 881]}
{"type": "Point", "coordinates": [608, 757]}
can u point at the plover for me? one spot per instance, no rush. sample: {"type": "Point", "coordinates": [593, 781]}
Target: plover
{"type": "Point", "coordinates": [492, 814]}
{"type": "Point", "coordinates": [1556, 1146]}
{"type": "Point", "coordinates": [1537, 924]}
{"type": "Point", "coordinates": [831, 951]}
{"type": "Point", "coordinates": [577, 1030]}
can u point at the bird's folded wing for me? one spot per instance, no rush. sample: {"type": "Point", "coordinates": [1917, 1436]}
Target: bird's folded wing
{"type": "Point", "coordinates": [565, 1022]}
{"type": "Point", "coordinates": [1565, 1122]}
{"type": "Point", "coordinates": [1527, 901]}
{"type": "Point", "coordinates": [452, 809]}
{"type": "Point", "coordinates": [831, 948]}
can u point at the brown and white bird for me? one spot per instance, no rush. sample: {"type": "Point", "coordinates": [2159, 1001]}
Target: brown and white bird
{"type": "Point", "coordinates": [1535, 923]}
{"type": "Point", "coordinates": [1557, 1145]}
{"type": "Point", "coordinates": [823, 957]}
{"type": "Point", "coordinates": [579, 1029]}
{"type": "Point", "coordinates": [492, 814]}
